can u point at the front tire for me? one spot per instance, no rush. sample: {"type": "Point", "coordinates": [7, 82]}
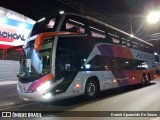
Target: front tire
{"type": "Point", "coordinates": [91, 89]}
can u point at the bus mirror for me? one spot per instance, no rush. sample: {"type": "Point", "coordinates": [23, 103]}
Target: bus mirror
{"type": "Point", "coordinates": [9, 49]}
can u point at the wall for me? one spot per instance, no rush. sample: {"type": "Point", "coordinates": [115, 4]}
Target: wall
{"type": "Point", "coordinates": [9, 70]}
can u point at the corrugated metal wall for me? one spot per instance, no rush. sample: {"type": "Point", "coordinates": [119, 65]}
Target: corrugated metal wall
{"type": "Point", "coordinates": [9, 70]}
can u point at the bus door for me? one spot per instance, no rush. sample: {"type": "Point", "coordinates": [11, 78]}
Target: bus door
{"type": "Point", "coordinates": [64, 63]}
{"type": "Point", "coordinates": [64, 69]}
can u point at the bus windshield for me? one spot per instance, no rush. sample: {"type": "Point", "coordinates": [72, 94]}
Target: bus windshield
{"type": "Point", "coordinates": [44, 25]}
{"type": "Point", "coordinates": [36, 63]}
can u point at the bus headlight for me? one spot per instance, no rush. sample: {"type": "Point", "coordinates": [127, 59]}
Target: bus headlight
{"type": "Point", "coordinates": [44, 86]}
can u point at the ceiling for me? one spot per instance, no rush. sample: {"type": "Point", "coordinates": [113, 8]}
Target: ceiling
{"type": "Point", "coordinates": [128, 15]}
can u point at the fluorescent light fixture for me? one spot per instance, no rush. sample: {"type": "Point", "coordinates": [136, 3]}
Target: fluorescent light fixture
{"type": "Point", "coordinates": [97, 29]}
{"type": "Point", "coordinates": [61, 12]}
{"type": "Point", "coordinates": [42, 19]}
{"type": "Point", "coordinates": [76, 22]}
{"type": "Point", "coordinates": [132, 35]}
{"type": "Point", "coordinates": [44, 86]}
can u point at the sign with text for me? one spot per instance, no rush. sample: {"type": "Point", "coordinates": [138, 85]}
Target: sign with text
{"type": "Point", "coordinates": [13, 32]}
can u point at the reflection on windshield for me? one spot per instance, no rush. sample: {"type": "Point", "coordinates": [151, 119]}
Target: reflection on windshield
{"type": "Point", "coordinates": [44, 26]}
{"type": "Point", "coordinates": [51, 23]}
{"type": "Point", "coordinates": [37, 62]}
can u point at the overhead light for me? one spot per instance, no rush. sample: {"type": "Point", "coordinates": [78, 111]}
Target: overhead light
{"type": "Point", "coordinates": [42, 19]}
{"type": "Point", "coordinates": [61, 12]}
{"type": "Point", "coordinates": [153, 17]}
{"type": "Point", "coordinates": [132, 35]}
{"type": "Point", "coordinates": [155, 53]}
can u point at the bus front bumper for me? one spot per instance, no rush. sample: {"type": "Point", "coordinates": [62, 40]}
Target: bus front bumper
{"type": "Point", "coordinates": [36, 96]}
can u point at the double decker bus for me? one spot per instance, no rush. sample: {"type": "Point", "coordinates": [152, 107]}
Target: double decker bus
{"type": "Point", "coordinates": [70, 55]}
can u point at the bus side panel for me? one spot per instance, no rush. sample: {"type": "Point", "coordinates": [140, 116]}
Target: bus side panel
{"type": "Point", "coordinates": [72, 90]}
{"type": "Point", "coordinates": [133, 76]}
{"type": "Point", "coordinates": [88, 74]}
{"type": "Point", "coordinates": [153, 74]}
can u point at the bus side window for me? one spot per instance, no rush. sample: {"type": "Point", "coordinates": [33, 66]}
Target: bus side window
{"type": "Point", "coordinates": [97, 32]}
{"type": "Point", "coordinates": [107, 62]}
{"type": "Point", "coordinates": [74, 28]}
{"type": "Point", "coordinates": [98, 62]}
{"type": "Point", "coordinates": [95, 64]}
{"type": "Point", "coordinates": [140, 65]}
{"type": "Point", "coordinates": [110, 63]}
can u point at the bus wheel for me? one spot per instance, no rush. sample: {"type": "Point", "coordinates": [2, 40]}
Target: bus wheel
{"type": "Point", "coordinates": [143, 82]}
{"type": "Point", "coordinates": [91, 89]}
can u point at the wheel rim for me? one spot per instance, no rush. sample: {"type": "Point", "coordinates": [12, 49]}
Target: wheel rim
{"type": "Point", "coordinates": [91, 89]}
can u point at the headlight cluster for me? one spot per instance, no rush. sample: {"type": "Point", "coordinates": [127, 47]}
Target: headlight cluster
{"type": "Point", "coordinates": [44, 86]}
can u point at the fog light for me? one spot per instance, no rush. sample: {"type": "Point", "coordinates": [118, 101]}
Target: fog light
{"type": "Point", "coordinates": [47, 96]}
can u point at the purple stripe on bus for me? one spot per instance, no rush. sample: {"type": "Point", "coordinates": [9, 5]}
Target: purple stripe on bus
{"type": "Point", "coordinates": [122, 82]}
{"type": "Point", "coordinates": [120, 77]}
{"type": "Point", "coordinates": [31, 86]}
{"type": "Point", "coordinates": [105, 50]}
